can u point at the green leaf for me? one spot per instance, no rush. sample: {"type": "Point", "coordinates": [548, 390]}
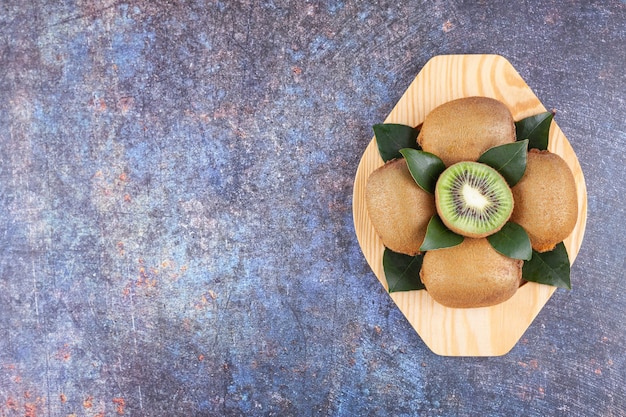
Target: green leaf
{"type": "Point", "coordinates": [438, 236]}
{"type": "Point", "coordinates": [509, 160]}
{"type": "Point", "coordinates": [402, 271]}
{"type": "Point", "coordinates": [536, 129]}
{"type": "Point", "coordinates": [391, 137]}
{"type": "Point", "coordinates": [551, 268]}
{"type": "Point", "coordinates": [512, 241]}
{"type": "Point", "coordinates": [424, 167]}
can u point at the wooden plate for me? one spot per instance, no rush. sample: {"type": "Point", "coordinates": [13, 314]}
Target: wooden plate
{"type": "Point", "coordinates": [487, 331]}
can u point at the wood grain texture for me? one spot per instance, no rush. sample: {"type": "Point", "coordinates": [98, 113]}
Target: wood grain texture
{"type": "Point", "coordinates": [488, 331]}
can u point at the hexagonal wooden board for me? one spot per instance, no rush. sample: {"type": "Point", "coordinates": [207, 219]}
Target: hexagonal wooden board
{"type": "Point", "coordinates": [487, 331]}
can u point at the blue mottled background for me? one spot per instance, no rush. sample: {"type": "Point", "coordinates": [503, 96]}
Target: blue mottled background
{"type": "Point", "coordinates": [176, 233]}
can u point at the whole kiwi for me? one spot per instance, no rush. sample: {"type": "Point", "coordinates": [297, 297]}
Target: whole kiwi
{"type": "Point", "coordinates": [462, 129]}
{"type": "Point", "coordinates": [398, 208]}
{"type": "Point", "coordinates": [545, 198]}
{"type": "Point", "coordinates": [471, 274]}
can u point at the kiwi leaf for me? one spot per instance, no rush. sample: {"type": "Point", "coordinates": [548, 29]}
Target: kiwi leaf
{"type": "Point", "coordinates": [402, 271]}
{"type": "Point", "coordinates": [509, 160]}
{"type": "Point", "coordinates": [550, 268]}
{"type": "Point", "coordinates": [438, 236]}
{"type": "Point", "coordinates": [512, 241]}
{"type": "Point", "coordinates": [391, 137]}
{"type": "Point", "coordinates": [424, 167]}
{"type": "Point", "coordinates": [536, 129]}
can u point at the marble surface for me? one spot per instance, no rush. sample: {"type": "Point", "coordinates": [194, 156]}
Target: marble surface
{"type": "Point", "coordinates": [176, 231]}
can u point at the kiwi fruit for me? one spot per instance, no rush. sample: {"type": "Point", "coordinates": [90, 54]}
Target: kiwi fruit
{"type": "Point", "coordinates": [471, 274]}
{"type": "Point", "coordinates": [546, 204]}
{"type": "Point", "coordinates": [473, 199]}
{"type": "Point", "coordinates": [398, 208]}
{"type": "Point", "coordinates": [462, 129]}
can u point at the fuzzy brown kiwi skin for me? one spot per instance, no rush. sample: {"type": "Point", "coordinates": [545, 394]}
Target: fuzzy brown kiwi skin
{"type": "Point", "coordinates": [462, 129]}
{"type": "Point", "coordinates": [470, 275]}
{"type": "Point", "coordinates": [398, 208]}
{"type": "Point", "coordinates": [546, 203]}
{"type": "Point", "coordinates": [462, 232]}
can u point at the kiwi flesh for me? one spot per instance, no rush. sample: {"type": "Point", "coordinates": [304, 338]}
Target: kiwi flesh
{"type": "Point", "coordinates": [471, 274]}
{"type": "Point", "coordinates": [546, 204]}
{"type": "Point", "coordinates": [398, 208]}
{"type": "Point", "coordinates": [462, 129]}
{"type": "Point", "coordinates": [473, 199]}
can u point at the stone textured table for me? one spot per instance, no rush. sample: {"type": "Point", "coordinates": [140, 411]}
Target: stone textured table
{"type": "Point", "coordinates": [176, 233]}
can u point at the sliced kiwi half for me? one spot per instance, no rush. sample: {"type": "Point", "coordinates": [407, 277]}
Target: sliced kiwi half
{"type": "Point", "coordinates": [473, 199]}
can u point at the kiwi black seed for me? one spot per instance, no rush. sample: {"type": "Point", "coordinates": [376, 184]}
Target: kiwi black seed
{"type": "Point", "coordinates": [473, 199]}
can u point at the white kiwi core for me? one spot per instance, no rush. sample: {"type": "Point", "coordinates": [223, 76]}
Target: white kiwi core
{"type": "Point", "coordinates": [474, 198]}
